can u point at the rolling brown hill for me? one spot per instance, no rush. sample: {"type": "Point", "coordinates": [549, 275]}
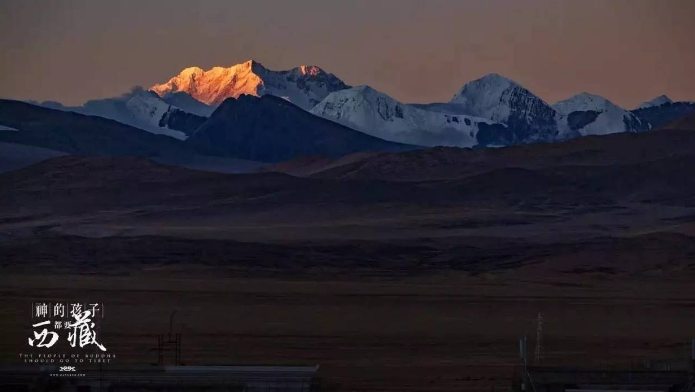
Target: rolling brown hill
{"type": "Point", "coordinates": [686, 123]}
{"type": "Point", "coordinates": [607, 205]}
{"type": "Point", "coordinates": [604, 205]}
{"type": "Point", "coordinates": [450, 163]}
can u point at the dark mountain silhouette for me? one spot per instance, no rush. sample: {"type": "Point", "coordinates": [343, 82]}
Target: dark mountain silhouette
{"type": "Point", "coordinates": [65, 132]}
{"type": "Point", "coordinates": [658, 116]}
{"type": "Point", "coordinates": [180, 120]}
{"type": "Point", "coordinates": [271, 129]}
{"type": "Point", "coordinates": [80, 134]}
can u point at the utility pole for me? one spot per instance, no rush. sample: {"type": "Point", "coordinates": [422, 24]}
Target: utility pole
{"type": "Point", "coordinates": [168, 342]}
{"type": "Point", "coordinates": [539, 341]}
{"type": "Point", "coordinates": [522, 356]}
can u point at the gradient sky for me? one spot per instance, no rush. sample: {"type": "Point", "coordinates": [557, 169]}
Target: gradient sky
{"type": "Point", "coordinates": [416, 51]}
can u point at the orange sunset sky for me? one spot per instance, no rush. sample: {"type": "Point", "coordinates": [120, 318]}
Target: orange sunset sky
{"type": "Point", "coordinates": [416, 51]}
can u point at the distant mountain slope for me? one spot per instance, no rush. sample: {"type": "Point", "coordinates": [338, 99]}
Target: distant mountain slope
{"type": "Point", "coordinates": [305, 86]}
{"type": "Point", "coordinates": [589, 114]}
{"type": "Point", "coordinates": [377, 114]}
{"type": "Point", "coordinates": [271, 129]}
{"type": "Point", "coordinates": [80, 134]}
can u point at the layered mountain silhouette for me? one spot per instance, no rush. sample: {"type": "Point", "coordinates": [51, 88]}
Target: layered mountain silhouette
{"type": "Point", "coordinates": [39, 133]}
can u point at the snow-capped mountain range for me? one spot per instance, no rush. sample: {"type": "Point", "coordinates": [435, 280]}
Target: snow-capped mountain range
{"type": "Point", "coordinates": [493, 111]}
{"type": "Point", "coordinates": [528, 117]}
{"type": "Point", "coordinates": [377, 114]}
{"type": "Point", "coordinates": [305, 86]}
{"type": "Point", "coordinates": [490, 111]}
{"type": "Point", "coordinates": [589, 114]}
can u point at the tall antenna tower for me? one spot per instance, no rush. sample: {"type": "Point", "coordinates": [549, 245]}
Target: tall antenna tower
{"type": "Point", "coordinates": [539, 340]}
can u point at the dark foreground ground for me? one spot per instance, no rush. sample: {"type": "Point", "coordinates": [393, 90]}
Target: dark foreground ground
{"type": "Point", "coordinates": [394, 272]}
{"type": "Point", "coordinates": [440, 332]}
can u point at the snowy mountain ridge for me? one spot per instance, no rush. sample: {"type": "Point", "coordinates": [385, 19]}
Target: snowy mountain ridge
{"type": "Point", "coordinates": [589, 114]}
{"type": "Point", "coordinates": [139, 108]}
{"type": "Point", "coordinates": [658, 101]}
{"type": "Point", "coordinates": [485, 97]}
{"type": "Point", "coordinates": [501, 100]}
{"type": "Point", "coordinates": [490, 111]}
{"type": "Point", "coordinates": [582, 102]}
{"type": "Point", "coordinates": [374, 113]}
{"type": "Point", "coordinates": [305, 86]}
